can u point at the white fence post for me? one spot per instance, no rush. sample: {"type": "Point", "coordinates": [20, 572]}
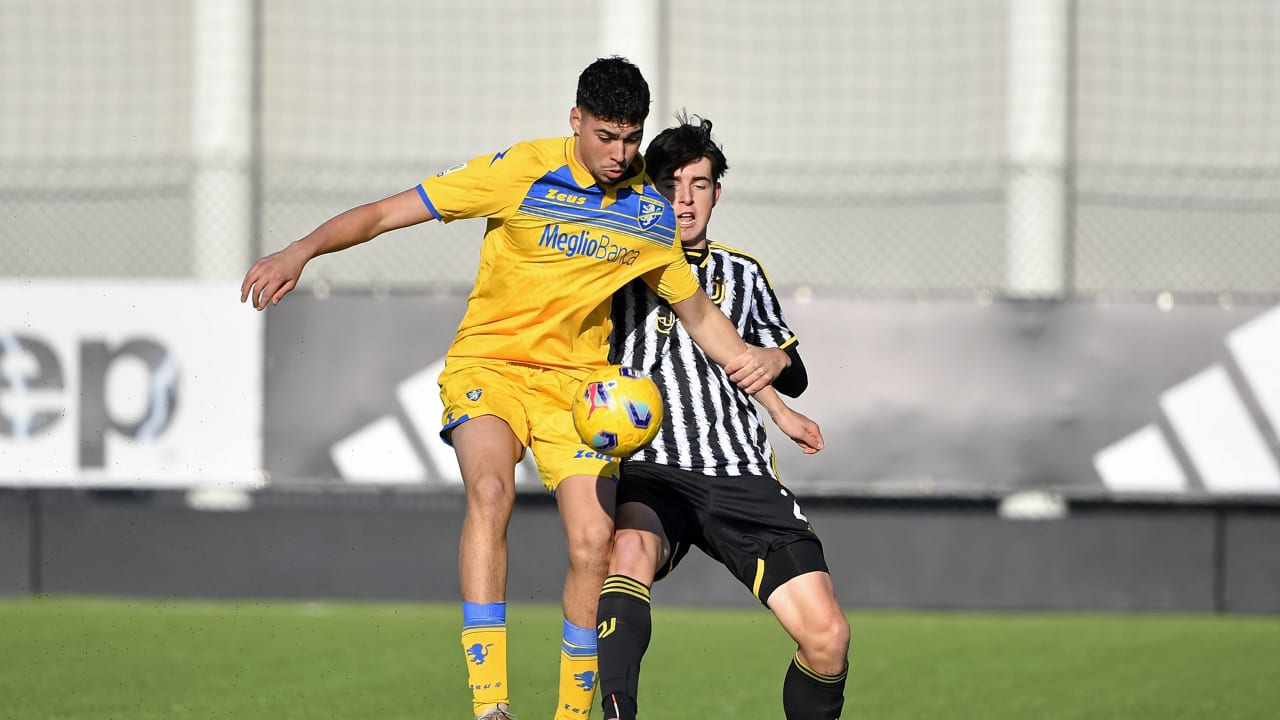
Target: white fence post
{"type": "Point", "coordinates": [634, 30]}
{"type": "Point", "coordinates": [222, 138]}
{"type": "Point", "coordinates": [1038, 127]}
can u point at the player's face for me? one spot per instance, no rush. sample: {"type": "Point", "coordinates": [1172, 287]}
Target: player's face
{"type": "Point", "coordinates": [605, 149]}
{"type": "Point", "coordinates": [692, 195]}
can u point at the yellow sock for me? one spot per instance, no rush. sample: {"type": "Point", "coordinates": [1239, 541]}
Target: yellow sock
{"type": "Point", "coordinates": [577, 673]}
{"type": "Point", "coordinates": [484, 643]}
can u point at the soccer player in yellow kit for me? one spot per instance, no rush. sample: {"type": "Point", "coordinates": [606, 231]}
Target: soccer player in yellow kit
{"type": "Point", "coordinates": [569, 221]}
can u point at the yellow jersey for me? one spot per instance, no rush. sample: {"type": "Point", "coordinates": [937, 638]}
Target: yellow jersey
{"type": "Point", "coordinates": [556, 247]}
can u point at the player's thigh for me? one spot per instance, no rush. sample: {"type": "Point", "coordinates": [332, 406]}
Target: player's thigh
{"type": "Point", "coordinates": [806, 602]}
{"type": "Point", "coordinates": [486, 448]}
{"type": "Point", "coordinates": [666, 502]}
{"type": "Point", "coordinates": [807, 609]}
{"type": "Point", "coordinates": [586, 504]}
{"type": "Point", "coordinates": [639, 544]}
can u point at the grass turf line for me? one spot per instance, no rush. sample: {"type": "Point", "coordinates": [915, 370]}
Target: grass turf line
{"type": "Point", "coordinates": [71, 658]}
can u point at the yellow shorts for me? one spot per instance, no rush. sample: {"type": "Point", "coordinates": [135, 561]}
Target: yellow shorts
{"type": "Point", "coordinates": [535, 403]}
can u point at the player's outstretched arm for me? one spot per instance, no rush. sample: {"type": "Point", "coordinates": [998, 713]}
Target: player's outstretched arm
{"type": "Point", "coordinates": [274, 275]}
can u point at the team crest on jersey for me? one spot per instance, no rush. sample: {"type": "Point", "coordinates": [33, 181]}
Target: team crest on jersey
{"type": "Point", "coordinates": [649, 213]}
{"type": "Point", "coordinates": [474, 395]}
{"type": "Point", "coordinates": [666, 320]}
{"type": "Point", "coordinates": [717, 289]}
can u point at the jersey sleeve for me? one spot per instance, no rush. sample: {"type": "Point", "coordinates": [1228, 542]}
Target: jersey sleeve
{"type": "Point", "coordinates": [675, 281]}
{"type": "Point", "coordinates": [488, 186]}
{"type": "Point", "coordinates": [767, 327]}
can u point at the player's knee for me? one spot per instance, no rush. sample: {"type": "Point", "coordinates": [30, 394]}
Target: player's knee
{"type": "Point", "coordinates": [825, 643]}
{"type": "Point", "coordinates": [490, 500]}
{"type": "Point", "coordinates": [628, 543]}
{"type": "Point", "coordinates": [634, 554]}
{"type": "Point", "coordinates": [590, 545]}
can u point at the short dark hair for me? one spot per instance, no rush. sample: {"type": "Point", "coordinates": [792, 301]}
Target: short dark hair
{"type": "Point", "coordinates": [682, 144]}
{"type": "Point", "coordinates": [612, 89]}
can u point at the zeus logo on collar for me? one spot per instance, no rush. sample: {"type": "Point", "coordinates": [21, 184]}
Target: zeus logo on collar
{"type": "Point", "coordinates": [564, 197]}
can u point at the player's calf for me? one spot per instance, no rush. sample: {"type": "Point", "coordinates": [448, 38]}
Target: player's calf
{"type": "Point", "coordinates": [811, 695]}
{"type": "Point", "coordinates": [625, 625]}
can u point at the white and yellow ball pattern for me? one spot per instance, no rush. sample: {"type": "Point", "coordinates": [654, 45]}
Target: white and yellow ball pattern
{"type": "Point", "coordinates": [617, 411]}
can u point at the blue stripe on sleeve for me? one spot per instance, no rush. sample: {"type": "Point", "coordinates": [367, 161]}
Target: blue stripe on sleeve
{"type": "Point", "coordinates": [422, 193]}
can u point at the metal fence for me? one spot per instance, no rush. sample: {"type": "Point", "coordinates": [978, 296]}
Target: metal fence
{"type": "Point", "coordinates": [1118, 148]}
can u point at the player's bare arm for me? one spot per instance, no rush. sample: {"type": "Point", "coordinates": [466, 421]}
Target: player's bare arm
{"type": "Point", "coordinates": [274, 275]}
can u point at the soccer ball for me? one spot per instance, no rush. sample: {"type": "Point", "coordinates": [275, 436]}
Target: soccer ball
{"type": "Point", "coordinates": [617, 411]}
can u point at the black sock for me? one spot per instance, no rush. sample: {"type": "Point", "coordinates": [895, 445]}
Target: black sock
{"type": "Point", "coordinates": [624, 624]}
{"type": "Point", "coordinates": [809, 695]}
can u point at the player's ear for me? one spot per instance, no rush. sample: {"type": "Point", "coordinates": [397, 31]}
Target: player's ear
{"type": "Point", "coordinates": [715, 198]}
{"type": "Point", "coordinates": [575, 120]}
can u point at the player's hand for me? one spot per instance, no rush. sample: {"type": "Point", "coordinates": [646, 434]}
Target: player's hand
{"type": "Point", "coordinates": [801, 429]}
{"type": "Point", "coordinates": [757, 368]}
{"type": "Point", "coordinates": [272, 277]}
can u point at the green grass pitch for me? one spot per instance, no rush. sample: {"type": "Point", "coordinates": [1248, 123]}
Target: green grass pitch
{"type": "Point", "coordinates": [73, 658]}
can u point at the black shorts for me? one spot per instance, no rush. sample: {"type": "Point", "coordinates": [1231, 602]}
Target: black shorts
{"type": "Point", "coordinates": [750, 524]}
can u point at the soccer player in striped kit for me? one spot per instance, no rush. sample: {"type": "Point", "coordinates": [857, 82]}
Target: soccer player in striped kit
{"type": "Point", "coordinates": [708, 478]}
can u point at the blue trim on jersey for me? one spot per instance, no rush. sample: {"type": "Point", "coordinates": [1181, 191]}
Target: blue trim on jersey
{"type": "Point", "coordinates": [558, 197]}
{"type": "Point", "coordinates": [657, 235]}
{"type": "Point", "coordinates": [578, 641]}
{"type": "Point", "coordinates": [422, 193]}
{"type": "Point", "coordinates": [477, 615]}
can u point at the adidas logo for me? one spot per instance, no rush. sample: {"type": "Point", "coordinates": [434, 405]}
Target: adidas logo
{"type": "Point", "coordinates": [1229, 450]}
{"type": "Point", "coordinates": [385, 452]}
{"type": "Point", "coordinates": [1221, 429]}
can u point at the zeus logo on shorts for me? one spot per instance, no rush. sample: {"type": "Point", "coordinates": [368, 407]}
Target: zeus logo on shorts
{"type": "Point", "coordinates": [474, 395]}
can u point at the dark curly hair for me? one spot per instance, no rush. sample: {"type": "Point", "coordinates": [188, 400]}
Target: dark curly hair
{"type": "Point", "coordinates": [612, 89]}
{"type": "Point", "coordinates": [682, 144]}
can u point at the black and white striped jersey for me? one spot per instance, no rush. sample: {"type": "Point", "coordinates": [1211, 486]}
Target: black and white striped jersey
{"type": "Point", "coordinates": [710, 426]}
